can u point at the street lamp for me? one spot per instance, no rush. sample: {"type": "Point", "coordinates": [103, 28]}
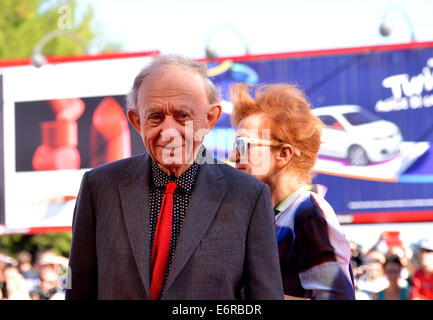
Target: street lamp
{"type": "Point", "coordinates": [38, 59]}
{"type": "Point", "coordinates": [385, 29]}
{"type": "Point", "coordinates": [211, 53]}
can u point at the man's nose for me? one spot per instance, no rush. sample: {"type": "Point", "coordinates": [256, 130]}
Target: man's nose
{"type": "Point", "coordinates": [169, 129]}
{"type": "Point", "coordinates": [169, 123]}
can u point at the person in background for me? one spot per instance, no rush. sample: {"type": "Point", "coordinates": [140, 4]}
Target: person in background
{"type": "Point", "coordinates": [390, 243]}
{"type": "Point", "coordinates": [392, 269]}
{"type": "Point", "coordinates": [5, 261]}
{"type": "Point", "coordinates": [16, 286]}
{"type": "Point", "coordinates": [422, 283]}
{"type": "Point", "coordinates": [405, 255]}
{"type": "Point", "coordinates": [48, 266]}
{"type": "Point", "coordinates": [48, 259]}
{"type": "Point", "coordinates": [24, 259]}
{"type": "Point", "coordinates": [372, 279]}
{"type": "Point", "coordinates": [277, 141]}
{"type": "Point", "coordinates": [48, 287]}
{"type": "Point", "coordinates": [358, 259]}
{"type": "Point", "coordinates": [356, 255]}
{"type": "Point", "coordinates": [3, 264]}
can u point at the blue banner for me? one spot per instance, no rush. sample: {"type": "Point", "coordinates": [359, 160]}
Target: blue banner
{"type": "Point", "coordinates": [377, 106]}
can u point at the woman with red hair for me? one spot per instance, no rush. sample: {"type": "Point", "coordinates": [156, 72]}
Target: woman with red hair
{"type": "Point", "coordinates": [277, 141]}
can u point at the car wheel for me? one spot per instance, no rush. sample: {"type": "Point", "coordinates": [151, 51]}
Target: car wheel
{"type": "Point", "coordinates": [357, 156]}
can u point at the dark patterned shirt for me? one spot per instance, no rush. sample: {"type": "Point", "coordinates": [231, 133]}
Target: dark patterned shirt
{"type": "Point", "coordinates": [182, 194]}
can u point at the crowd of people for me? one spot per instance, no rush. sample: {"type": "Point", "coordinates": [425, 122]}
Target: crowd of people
{"type": "Point", "coordinates": [38, 277]}
{"type": "Point", "coordinates": [398, 272]}
{"type": "Point", "coordinates": [401, 272]}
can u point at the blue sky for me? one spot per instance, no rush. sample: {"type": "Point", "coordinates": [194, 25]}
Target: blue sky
{"type": "Point", "coordinates": [269, 26]}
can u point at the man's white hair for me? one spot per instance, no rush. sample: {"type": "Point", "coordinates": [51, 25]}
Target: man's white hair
{"type": "Point", "coordinates": [163, 62]}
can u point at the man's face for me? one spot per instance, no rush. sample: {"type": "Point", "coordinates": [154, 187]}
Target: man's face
{"type": "Point", "coordinates": [172, 117]}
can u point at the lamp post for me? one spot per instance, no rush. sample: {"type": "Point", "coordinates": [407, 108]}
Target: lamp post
{"type": "Point", "coordinates": [211, 53]}
{"type": "Point", "coordinates": [38, 59]}
{"type": "Point", "coordinates": [385, 29]}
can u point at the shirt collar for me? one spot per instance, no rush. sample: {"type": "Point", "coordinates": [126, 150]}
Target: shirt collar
{"type": "Point", "coordinates": [185, 181]}
{"type": "Point", "coordinates": [282, 204]}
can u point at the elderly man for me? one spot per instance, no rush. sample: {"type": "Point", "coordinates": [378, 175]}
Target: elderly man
{"type": "Point", "coordinates": [173, 223]}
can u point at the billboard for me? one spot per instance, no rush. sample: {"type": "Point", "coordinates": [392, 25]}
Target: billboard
{"type": "Point", "coordinates": [376, 157]}
{"type": "Point", "coordinates": [58, 121]}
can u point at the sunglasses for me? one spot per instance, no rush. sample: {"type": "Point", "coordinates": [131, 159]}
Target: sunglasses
{"type": "Point", "coordinates": [242, 144]}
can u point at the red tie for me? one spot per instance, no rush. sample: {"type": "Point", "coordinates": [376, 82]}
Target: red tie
{"type": "Point", "coordinates": [161, 242]}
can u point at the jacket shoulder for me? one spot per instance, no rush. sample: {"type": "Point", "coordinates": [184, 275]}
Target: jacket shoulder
{"type": "Point", "coordinates": [119, 169]}
{"type": "Point", "coordinates": [241, 180]}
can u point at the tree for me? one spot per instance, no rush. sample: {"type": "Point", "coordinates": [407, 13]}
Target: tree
{"type": "Point", "coordinates": [23, 23]}
{"type": "Point", "coordinates": [59, 242]}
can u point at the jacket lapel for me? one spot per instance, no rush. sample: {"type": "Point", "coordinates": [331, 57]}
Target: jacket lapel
{"type": "Point", "coordinates": [134, 196]}
{"type": "Point", "coordinates": [208, 193]}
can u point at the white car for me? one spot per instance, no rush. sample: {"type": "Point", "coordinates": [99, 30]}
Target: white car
{"type": "Point", "coordinates": [357, 135]}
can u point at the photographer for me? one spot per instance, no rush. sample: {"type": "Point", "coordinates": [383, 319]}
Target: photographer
{"type": "Point", "coordinates": [48, 265]}
{"type": "Point", "coordinates": [48, 287]}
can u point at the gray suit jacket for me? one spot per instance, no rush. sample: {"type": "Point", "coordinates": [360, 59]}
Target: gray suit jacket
{"type": "Point", "coordinates": [227, 247]}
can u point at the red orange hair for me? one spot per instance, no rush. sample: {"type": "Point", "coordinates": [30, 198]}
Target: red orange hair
{"type": "Point", "coordinates": [288, 116]}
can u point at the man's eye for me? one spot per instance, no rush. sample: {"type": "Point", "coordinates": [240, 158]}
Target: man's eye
{"type": "Point", "coordinates": [181, 115]}
{"type": "Point", "coordinates": [154, 116]}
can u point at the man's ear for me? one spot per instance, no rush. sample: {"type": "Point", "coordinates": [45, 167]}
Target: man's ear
{"type": "Point", "coordinates": [213, 115]}
{"type": "Point", "coordinates": [134, 118]}
{"type": "Point", "coordinates": [285, 154]}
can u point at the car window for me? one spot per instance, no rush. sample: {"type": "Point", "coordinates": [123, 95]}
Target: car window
{"type": "Point", "coordinates": [328, 120]}
{"type": "Point", "coordinates": [360, 117]}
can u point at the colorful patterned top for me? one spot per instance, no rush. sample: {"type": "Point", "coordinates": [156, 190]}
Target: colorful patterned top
{"type": "Point", "coordinates": [314, 253]}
